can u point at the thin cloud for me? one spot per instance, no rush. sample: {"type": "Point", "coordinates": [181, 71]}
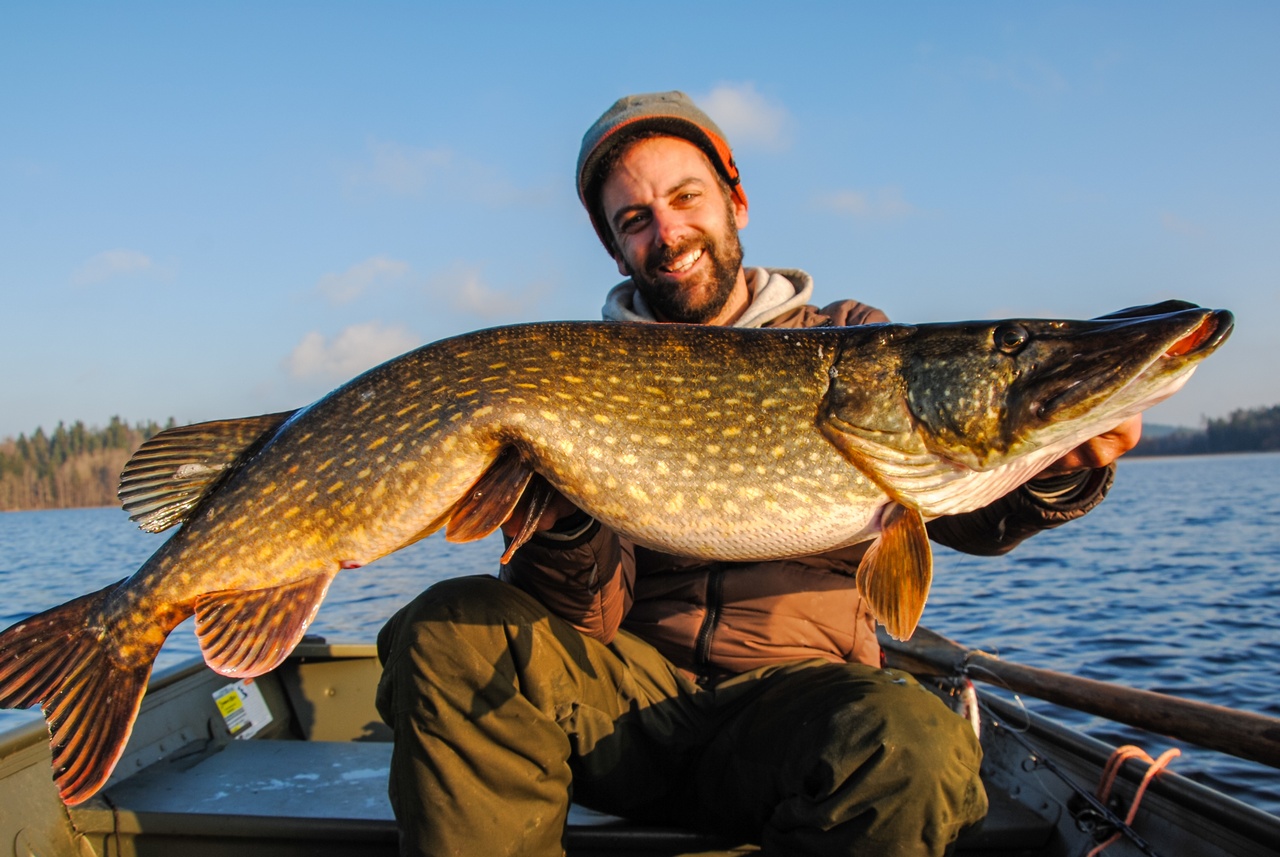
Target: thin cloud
{"type": "Point", "coordinates": [408, 171]}
{"type": "Point", "coordinates": [464, 288]}
{"type": "Point", "coordinates": [109, 264]}
{"type": "Point", "coordinates": [353, 350]}
{"type": "Point", "coordinates": [1171, 222]}
{"type": "Point", "coordinates": [401, 170]}
{"type": "Point", "coordinates": [359, 278]}
{"type": "Point", "coordinates": [886, 203]}
{"type": "Point", "coordinates": [747, 117]}
{"type": "Point", "coordinates": [1028, 74]}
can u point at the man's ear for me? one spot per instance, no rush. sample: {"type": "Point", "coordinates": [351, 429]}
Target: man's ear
{"type": "Point", "coordinates": [739, 214]}
{"type": "Point", "coordinates": [623, 268]}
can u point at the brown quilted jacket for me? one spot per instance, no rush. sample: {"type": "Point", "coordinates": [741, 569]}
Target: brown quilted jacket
{"type": "Point", "coordinates": [714, 619]}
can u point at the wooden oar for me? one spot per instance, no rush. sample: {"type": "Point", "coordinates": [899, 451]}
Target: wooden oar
{"type": "Point", "coordinates": [1240, 733]}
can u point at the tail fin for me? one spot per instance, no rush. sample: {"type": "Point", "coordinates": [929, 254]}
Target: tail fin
{"type": "Point", "coordinates": [89, 698]}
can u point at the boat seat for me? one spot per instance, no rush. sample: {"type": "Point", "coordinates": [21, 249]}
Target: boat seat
{"type": "Point", "coordinates": [272, 797]}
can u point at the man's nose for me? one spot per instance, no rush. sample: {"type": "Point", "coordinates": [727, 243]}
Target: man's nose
{"type": "Point", "coordinates": [669, 228]}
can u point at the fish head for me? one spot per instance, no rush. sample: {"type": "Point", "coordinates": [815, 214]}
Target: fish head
{"type": "Point", "coordinates": [978, 396]}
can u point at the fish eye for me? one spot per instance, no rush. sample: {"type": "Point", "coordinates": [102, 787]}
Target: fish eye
{"type": "Point", "coordinates": [1010, 337]}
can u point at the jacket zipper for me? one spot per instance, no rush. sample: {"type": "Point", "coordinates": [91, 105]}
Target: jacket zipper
{"type": "Point", "coordinates": [715, 599]}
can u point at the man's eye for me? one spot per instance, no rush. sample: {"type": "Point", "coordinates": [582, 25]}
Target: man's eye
{"type": "Point", "coordinates": [633, 223]}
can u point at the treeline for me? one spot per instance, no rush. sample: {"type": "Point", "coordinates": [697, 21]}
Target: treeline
{"type": "Point", "coordinates": [1253, 430]}
{"type": "Point", "coordinates": [71, 467]}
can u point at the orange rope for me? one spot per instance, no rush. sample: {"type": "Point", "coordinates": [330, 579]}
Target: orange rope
{"type": "Point", "coordinates": [1112, 769]}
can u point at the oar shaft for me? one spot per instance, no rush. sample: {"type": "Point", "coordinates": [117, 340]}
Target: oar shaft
{"type": "Point", "coordinates": [1239, 733]}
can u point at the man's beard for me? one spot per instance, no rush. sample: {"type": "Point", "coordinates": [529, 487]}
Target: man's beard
{"type": "Point", "coordinates": [699, 301]}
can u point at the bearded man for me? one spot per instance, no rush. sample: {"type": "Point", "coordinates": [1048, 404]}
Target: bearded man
{"type": "Point", "coordinates": [747, 698]}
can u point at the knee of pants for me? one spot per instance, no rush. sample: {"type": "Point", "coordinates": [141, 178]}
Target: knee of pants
{"type": "Point", "coordinates": [883, 725]}
{"type": "Point", "coordinates": [452, 607]}
{"type": "Point", "coordinates": [454, 632]}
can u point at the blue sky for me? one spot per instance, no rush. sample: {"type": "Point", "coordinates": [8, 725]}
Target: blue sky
{"type": "Point", "coordinates": [219, 209]}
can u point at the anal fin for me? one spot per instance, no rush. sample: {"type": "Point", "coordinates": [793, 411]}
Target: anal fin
{"type": "Point", "coordinates": [896, 571]}
{"type": "Point", "coordinates": [248, 633]}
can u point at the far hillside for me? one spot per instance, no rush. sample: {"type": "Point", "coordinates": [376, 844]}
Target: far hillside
{"type": "Point", "coordinates": [1254, 430]}
{"type": "Point", "coordinates": [69, 467]}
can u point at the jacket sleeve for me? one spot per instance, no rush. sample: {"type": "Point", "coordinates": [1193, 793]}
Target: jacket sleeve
{"type": "Point", "coordinates": [1041, 504]}
{"type": "Point", "coordinates": [577, 570]}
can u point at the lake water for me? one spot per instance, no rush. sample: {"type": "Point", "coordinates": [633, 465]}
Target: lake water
{"type": "Point", "coordinates": [1172, 585]}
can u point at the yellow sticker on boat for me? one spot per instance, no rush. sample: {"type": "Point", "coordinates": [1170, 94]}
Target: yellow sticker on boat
{"type": "Point", "coordinates": [243, 708]}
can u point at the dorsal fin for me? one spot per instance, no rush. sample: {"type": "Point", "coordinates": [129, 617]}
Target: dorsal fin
{"type": "Point", "coordinates": [170, 473]}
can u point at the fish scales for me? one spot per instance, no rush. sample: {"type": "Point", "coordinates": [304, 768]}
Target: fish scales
{"type": "Point", "coordinates": [708, 442]}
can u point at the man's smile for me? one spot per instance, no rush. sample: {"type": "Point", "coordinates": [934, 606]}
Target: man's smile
{"type": "Point", "coordinates": [683, 263]}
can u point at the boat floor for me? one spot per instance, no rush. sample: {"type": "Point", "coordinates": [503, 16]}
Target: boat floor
{"type": "Point", "coordinates": [329, 797]}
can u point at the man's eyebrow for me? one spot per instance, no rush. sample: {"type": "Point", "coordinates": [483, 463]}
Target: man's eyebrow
{"type": "Point", "coordinates": [675, 188]}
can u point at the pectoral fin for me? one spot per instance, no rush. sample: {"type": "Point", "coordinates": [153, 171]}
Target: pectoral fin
{"type": "Point", "coordinates": [248, 633]}
{"type": "Point", "coordinates": [490, 500]}
{"type": "Point", "coordinates": [896, 571]}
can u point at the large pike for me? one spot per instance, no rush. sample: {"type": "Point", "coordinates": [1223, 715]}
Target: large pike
{"type": "Point", "coordinates": [709, 442]}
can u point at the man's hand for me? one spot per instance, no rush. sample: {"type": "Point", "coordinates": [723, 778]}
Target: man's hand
{"type": "Point", "coordinates": [1099, 451]}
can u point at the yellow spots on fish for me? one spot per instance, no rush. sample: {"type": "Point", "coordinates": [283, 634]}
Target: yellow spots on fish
{"type": "Point", "coordinates": [691, 457]}
{"type": "Point", "coordinates": [299, 485]}
{"type": "Point", "coordinates": [627, 459]}
{"type": "Point", "coordinates": [324, 465]}
{"type": "Point", "coordinates": [555, 355]}
{"type": "Point", "coordinates": [714, 415]}
{"type": "Point", "coordinates": [528, 386]}
{"type": "Point", "coordinates": [466, 394]}
{"type": "Point", "coordinates": [377, 443]}
{"type": "Point", "coordinates": [364, 407]}
{"type": "Point", "coordinates": [573, 379]}
{"type": "Point", "coordinates": [310, 498]}
{"type": "Point", "coordinates": [269, 489]}
{"type": "Point", "coordinates": [736, 468]}
{"type": "Point", "coordinates": [456, 417]}
{"type": "Point", "coordinates": [429, 425]}
{"type": "Point", "coordinates": [702, 394]}
{"type": "Point", "coordinates": [730, 507]}
{"type": "Point", "coordinates": [662, 439]}
{"type": "Point", "coordinates": [655, 391]}
{"type": "Point", "coordinates": [713, 449]}
{"type": "Point", "coordinates": [550, 416]}
{"type": "Point", "coordinates": [337, 486]}
{"type": "Point", "coordinates": [704, 502]}
{"type": "Point", "coordinates": [675, 503]}
{"type": "Point", "coordinates": [610, 482]}
{"type": "Point", "coordinates": [595, 452]}
{"type": "Point", "coordinates": [685, 422]}
{"type": "Point", "coordinates": [662, 468]}
{"type": "Point", "coordinates": [407, 409]}
{"type": "Point", "coordinates": [238, 522]}
{"type": "Point", "coordinates": [730, 431]}
{"type": "Point", "coordinates": [498, 365]}
{"type": "Point", "coordinates": [620, 398]}
{"type": "Point", "coordinates": [638, 493]}
{"type": "Point", "coordinates": [566, 446]}
{"type": "Point", "coordinates": [778, 451]}
{"type": "Point", "coordinates": [481, 412]}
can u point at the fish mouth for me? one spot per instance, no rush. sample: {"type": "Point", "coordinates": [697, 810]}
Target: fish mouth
{"type": "Point", "coordinates": [1147, 349]}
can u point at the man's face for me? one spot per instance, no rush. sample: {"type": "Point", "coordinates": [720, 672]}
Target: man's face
{"type": "Point", "coordinates": [675, 231]}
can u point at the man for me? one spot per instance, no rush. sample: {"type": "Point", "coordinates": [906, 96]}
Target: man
{"type": "Point", "coordinates": [741, 697]}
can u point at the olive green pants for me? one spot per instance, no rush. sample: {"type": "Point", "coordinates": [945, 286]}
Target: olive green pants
{"type": "Point", "coordinates": [502, 712]}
